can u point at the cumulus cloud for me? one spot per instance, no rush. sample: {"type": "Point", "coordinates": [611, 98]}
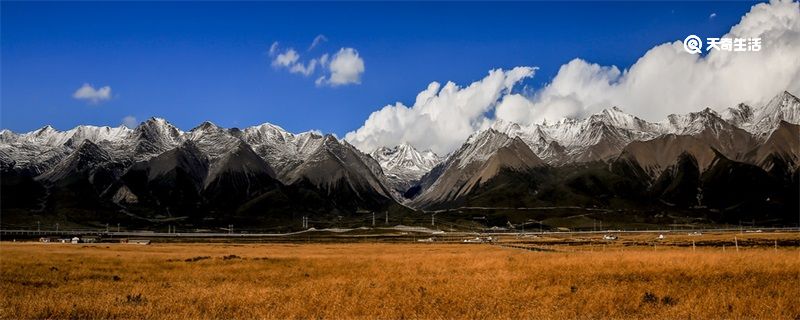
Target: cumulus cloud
{"type": "Point", "coordinates": [442, 117]}
{"type": "Point", "coordinates": [88, 93]}
{"type": "Point", "coordinates": [130, 122]}
{"type": "Point", "coordinates": [346, 67]}
{"type": "Point", "coordinates": [317, 40]}
{"type": "Point", "coordinates": [668, 79]}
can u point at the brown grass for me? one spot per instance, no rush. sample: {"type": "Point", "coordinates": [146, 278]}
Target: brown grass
{"type": "Point", "coordinates": [392, 281]}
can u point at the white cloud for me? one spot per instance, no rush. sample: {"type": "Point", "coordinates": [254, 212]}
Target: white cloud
{"type": "Point", "coordinates": [289, 59]}
{"type": "Point", "coordinates": [712, 15]}
{"type": "Point", "coordinates": [89, 93]}
{"type": "Point", "coordinates": [286, 59]}
{"type": "Point", "coordinates": [346, 67]}
{"type": "Point", "coordinates": [273, 48]}
{"type": "Point", "coordinates": [130, 122]}
{"type": "Point", "coordinates": [304, 69]}
{"type": "Point", "coordinates": [317, 40]}
{"type": "Point", "coordinates": [668, 80]}
{"type": "Point", "coordinates": [323, 60]}
{"type": "Point", "coordinates": [441, 118]}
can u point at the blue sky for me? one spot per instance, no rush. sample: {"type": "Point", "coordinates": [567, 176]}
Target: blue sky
{"type": "Point", "coordinates": [190, 62]}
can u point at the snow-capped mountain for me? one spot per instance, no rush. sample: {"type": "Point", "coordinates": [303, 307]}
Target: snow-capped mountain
{"type": "Point", "coordinates": [403, 165]}
{"type": "Point", "coordinates": [480, 159]}
{"type": "Point", "coordinates": [783, 107]}
{"type": "Point", "coordinates": [157, 163]}
{"type": "Point", "coordinates": [154, 137]}
{"type": "Point", "coordinates": [601, 136]}
{"type": "Point", "coordinates": [212, 140]}
{"type": "Point", "coordinates": [281, 149]}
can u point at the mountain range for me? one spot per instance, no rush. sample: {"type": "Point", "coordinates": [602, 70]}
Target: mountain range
{"type": "Point", "coordinates": [719, 167]}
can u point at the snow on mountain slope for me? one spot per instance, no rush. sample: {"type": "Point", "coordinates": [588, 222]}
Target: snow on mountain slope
{"type": "Point", "coordinates": [154, 137]}
{"type": "Point", "coordinates": [39, 150]}
{"type": "Point", "coordinates": [781, 149]}
{"type": "Point", "coordinates": [405, 162]}
{"type": "Point", "coordinates": [403, 166]}
{"type": "Point", "coordinates": [477, 161]}
{"type": "Point", "coordinates": [783, 107]}
{"type": "Point", "coordinates": [598, 137]}
{"type": "Point", "coordinates": [739, 115]}
{"type": "Point", "coordinates": [604, 135]}
{"type": "Point", "coordinates": [86, 156]}
{"type": "Point", "coordinates": [212, 140]}
{"type": "Point", "coordinates": [340, 167]}
{"type": "Point", "coordinates": [284, 151]}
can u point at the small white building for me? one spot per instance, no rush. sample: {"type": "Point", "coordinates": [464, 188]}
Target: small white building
{"type": "Point", "coordinates": [76, 240]}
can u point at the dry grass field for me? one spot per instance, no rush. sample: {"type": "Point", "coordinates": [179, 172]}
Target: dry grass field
{"type": "Point", "coordinates": [392, 281]}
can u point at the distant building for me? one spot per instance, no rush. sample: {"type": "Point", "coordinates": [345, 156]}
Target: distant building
{"type": "Point", "coordinates": [90, 239]}
{"type": "Point", "coordinates": [76, 240]}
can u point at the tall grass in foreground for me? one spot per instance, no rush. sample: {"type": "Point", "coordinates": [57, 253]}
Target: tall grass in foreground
{"type": "Point", "coordinates": [392, 282]}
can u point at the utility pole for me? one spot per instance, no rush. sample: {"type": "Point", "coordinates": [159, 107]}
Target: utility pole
{"type": "Point", "coordinates": [433, 219]}
{"type": "Point", "coordinates": [56, 226]}
{"type": "Point", "coordinates": [387, 217]}
{"type": "Point", "coordinates": [37, 226]}
{"type": "Point", "coordinates": [373, 219]}
{"type": "Point", "coordinates": [106, 227]}
{"type": "Point", "coordinates": [117, 226]}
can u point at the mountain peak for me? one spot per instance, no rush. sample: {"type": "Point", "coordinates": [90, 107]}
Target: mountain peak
{"type": "Point", "coordinates": [404, 162]}
{"type": "Point", "coordinates": [207, 125]}
{"type": "Point", "coordinates": [46, 129]}
{"type": "Point", "coordinates": [329, 138]}
{"type": "Point", "coordinates": [406, 145]}
{"type": "Point", "coordinates": [157, 120]}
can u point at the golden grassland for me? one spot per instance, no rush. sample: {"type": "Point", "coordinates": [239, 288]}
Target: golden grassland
{"type": "Point", "coordinates": [393, 281]}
